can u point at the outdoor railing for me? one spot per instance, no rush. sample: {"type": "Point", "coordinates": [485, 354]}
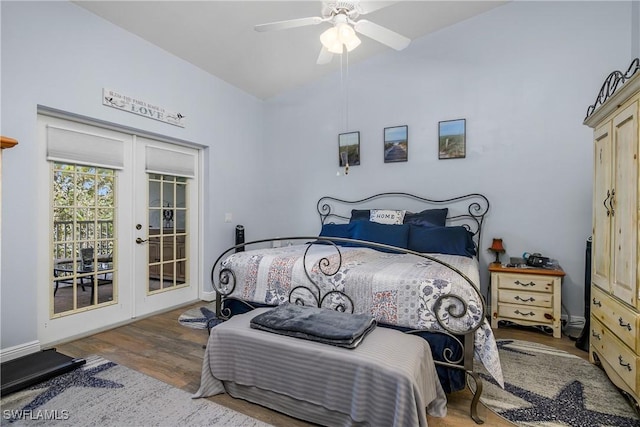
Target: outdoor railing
{"type": "Point", "coordinates": [71, 236]}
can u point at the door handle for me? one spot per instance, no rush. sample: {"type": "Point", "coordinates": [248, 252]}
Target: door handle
{"type": "Point", "coordinates": [605, 203]}
{"type": "Point", "coordinates": [140, 241]}
{"type": "Point", "coordinates": [612, 201]}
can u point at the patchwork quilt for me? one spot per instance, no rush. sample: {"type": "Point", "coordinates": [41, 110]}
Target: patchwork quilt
{"type": "Point", "coordinates": [396, 289]}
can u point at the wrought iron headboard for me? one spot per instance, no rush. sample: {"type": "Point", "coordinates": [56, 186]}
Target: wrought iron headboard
{"type": "Point", "coordinates": [468, 210]}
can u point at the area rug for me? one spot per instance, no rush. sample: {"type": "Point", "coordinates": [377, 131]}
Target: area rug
{"type": "Point", "coordinates": [200, 317]}
{"type": "Point", "coordinates": [549, 387]}
{"type": "Point", "coordinates": [102, 393]}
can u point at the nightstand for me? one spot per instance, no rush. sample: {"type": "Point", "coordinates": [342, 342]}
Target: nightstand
{"type": "Point", "coordinates": [526, 296]}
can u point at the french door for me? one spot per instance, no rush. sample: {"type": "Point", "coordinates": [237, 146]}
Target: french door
{"type": "Point", "coordinates": [166, 224]}
{"type": "Point", "coordinates": [122, 228]}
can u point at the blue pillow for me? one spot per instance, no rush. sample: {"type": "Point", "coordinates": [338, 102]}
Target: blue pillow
{"type": "Point", "coordinates": [443, 240]}
{"type": "Point", "coordinates": [337, 230]}
{"type": "Point", "coordinates": [394, 235]}
{"type": "Point", "coordinates": [427, 218]}
{"type": "Point", "coordinates": [360, 215]}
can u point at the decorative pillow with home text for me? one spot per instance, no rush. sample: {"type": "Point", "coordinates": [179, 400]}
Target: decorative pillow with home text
{"type": "Point", "coordinates": [384, 216]}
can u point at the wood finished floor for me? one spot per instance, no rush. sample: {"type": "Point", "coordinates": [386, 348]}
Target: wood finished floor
{"type": "Point", "coordinates": [160, 347]}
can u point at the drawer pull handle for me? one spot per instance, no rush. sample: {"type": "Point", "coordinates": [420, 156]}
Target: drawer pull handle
{"type": "Point", "coordinates": [531, 313]}
{"type": "Point", "coordinates": [517, 282]}
{"type": "Point", "coordinates": [626, 365]}
{"type": "Point", "coordinates": [530, 299]}
{"type": "Point", "coordinates": [595, 335]}
{"type": "Point", "coordinates": [624, 325]}
{"type": "Point", "coordinates": [597, 303]}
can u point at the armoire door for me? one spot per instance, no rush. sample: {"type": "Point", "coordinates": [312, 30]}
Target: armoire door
{"type": "Point", "coordinates": [624, 217]}
{"type": "Point", "coordinates": [601, 263]}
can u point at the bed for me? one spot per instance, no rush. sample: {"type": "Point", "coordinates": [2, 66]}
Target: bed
{"type": "Point", "coordinates": [410, 261]}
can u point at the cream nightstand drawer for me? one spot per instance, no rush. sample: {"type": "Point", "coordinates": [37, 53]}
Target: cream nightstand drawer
{"type": "Point", "coordinates": [538, 315]}
{"type": "Point", "coordinates": [618, 356]}
{"type": "Point", "coordinates": [526, 282]}
{"type": "Point", "coordinates": [534, 299]}
{"type": "Point", "coordinates": [621, 320]}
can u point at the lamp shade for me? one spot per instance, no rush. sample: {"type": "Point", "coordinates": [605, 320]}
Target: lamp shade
{"type": "Point", "coordinates": [496, 246]}
{"type": "Point", "coordinates": [352, 43]}
{"type": "Point", "coordinates": [341, 34]}
{"type": "Point", "coordinates": [331, 41]}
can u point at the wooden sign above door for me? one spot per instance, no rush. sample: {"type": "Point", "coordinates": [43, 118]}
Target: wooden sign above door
{"type": "Point", "coordinates": [114, 99]}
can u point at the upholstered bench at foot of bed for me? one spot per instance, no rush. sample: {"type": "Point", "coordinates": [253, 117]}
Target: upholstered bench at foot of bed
{"type": "Point", "coordinates": [388, 380]}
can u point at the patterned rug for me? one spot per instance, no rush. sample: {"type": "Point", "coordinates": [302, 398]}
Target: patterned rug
{"type": "Point", "coordinates": [102, 393]}
{"type": "Point", "coordinates": [200, 317]}
{"type": "Point", "coordinates": [549, 387]}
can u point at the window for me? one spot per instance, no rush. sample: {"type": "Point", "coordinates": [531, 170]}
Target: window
{"type": "Point", "coordinates": [168, 232]}
{"type": "Point", "coordinates": [83, 238]}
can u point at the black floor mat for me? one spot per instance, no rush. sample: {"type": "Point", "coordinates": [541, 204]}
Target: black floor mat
{"type": "Point", "coordinates": [33, 368]}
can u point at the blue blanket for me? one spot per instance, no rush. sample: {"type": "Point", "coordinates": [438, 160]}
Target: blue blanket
{"type": "Point", "coordinates": [316, 324]}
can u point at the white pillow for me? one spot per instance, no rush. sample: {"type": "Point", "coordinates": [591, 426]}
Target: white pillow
{"type": "Point", "coordinates": [384, 216]}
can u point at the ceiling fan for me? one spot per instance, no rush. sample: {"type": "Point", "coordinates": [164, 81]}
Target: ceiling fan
{"type": "Point", "coordinates": [343, 16]}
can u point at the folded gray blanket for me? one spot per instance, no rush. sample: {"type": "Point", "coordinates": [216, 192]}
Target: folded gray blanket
{"type": "Point", "coordinates": [316, 324]}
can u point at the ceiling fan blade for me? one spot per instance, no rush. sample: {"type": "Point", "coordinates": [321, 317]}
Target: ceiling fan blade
{"type": "Point", "coordinates": [325, 56]}
{"type": "Point", "coordinates": [371, 6]}
{"type": "Point", "coordinates": [291, 23]}
{"type": "Point", "coordinates": [381, 34]}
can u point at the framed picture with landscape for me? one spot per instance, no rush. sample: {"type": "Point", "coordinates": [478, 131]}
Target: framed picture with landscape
{"type": "Point", "coordinates": [349, 149]}
{"type": "Point", "coordinates": [452, 139]}
{"type": "Point", "coordinates": [396, 140]}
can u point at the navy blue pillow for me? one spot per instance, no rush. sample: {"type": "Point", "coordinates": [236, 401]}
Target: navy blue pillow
{"type": "Point", "coordinates": [444, 240]}
{"type": "Point", "coordinates": [427, 218]}
{"type": "Point", "coordinates": [394, 235]}
{"type": "Point", "coordinates": [337, 230]}
{"type": "Point", "coordinates": [360, 215]}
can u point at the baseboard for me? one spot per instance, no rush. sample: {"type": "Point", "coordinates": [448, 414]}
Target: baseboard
{"type": "Point", "coordinates": [16, 351]}
{"type": "Point", "coordinates": [575, 322]}
{"type": "Point", "coordinates": [208, 296]}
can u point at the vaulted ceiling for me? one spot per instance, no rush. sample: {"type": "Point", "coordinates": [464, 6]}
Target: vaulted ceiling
{"type": "Point", "coordinates": [218, 36]}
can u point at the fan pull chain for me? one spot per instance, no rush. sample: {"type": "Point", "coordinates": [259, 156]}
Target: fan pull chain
{"type": "Point", "coordinates": [346, 95]}
{"type": "Point", "coordinates": [344, 89]}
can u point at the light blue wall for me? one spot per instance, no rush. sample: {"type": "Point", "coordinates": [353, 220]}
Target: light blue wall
{"type": "Point", "coordinates": [61, 56]}
{"type": "Point", "coordinates": [522, 75]}
{"type": "Point", "coordinates": [635, 26]}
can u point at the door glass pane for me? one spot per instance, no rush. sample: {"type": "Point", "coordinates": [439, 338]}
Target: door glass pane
{"type": "Point", "coordinates": [83, 240]}
{"type": "Point", "coordinates": [167, 212]}
{"type": "Point", "coordinates": [181, 198]}
{"type": "Point", "coordinates": [154, 219]}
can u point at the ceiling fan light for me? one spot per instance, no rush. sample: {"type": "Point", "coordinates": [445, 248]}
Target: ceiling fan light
{"type": "Point", "coordinates": [336, 48]}
{"type": "Point", "coordinates": [329, 37]}
{"type": "Point", "coordinates": [353, 43]}
{"type": "Point", "coordinates": [345, 32]}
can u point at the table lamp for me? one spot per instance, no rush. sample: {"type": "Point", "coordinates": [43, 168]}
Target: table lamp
{"type": "Point", "coordinates": [496, 246]}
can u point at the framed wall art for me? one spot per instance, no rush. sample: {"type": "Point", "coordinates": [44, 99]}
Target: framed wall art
{"type": "Point", "coordinates": [396, 140]}
{"type": "Point", "coordinates": [349, 149]}
{"type": "Point", "coordinates": [452, 139]}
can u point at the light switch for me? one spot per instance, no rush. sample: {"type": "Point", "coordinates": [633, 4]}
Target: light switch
{"type": "Point", "coordinates": [228, 217]}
